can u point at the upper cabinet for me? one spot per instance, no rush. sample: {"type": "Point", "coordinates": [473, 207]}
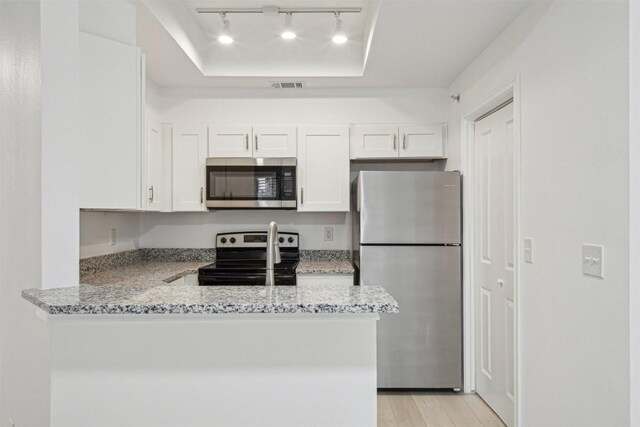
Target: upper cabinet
{"type": "Point", "coordinates": [155, 193]}
{"type": "Point", "coordinates": [323, 169]}
{"type": "Point", "coordinates": [376, 141]}
{"type": "Point", "coordinates": [110, 133]}
{"type": "Point", "coordinates": [230, 141]}
{"type": "Point", "coordinates": [258, 142]}
{"type": "Point", "coordinates": [274, 141]}
{"type": "Point", "coordinates": [189, 152]}
{"type": "Point", "coordinates": [423, 141]}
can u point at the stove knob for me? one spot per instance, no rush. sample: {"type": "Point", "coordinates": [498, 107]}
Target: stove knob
{"type": "Point", "coordinates": [233, 240]}
{"type": "Point", "coordinates": [281, 240]}
{"type": "Point", "coordinates": [290, 240]}
{"type": "Point", "coordinates": [223, 240]}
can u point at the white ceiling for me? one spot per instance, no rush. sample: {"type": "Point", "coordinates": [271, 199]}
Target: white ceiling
{"type": "Point", "coordinates": [415, 43]}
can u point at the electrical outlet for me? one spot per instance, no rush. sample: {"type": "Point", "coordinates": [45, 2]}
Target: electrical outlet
{"type": "Point", "coordinates": [328, 234]}
{"type": "Point", "coordinates": [593, 260]}
{"type": "Point", "coordinates": [11, 422]}
{"type": "Point", "coordinates": [113, 236]}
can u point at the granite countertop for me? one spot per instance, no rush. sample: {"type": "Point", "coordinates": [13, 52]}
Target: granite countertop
{"type": "Point", "coordinates": [172, 299]}
{"type": "Point", "coordinates": [325, 267]}
{"type": "Point", "coordinates": [143, 273]}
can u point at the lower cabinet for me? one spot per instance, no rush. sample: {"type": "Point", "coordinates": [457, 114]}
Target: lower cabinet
{"type": "Point", "coordinates": [324, 279]}
{"type": "Point", "coordinates": [189, 153]}
{"type": "Point", "coordinates": [323, 169]}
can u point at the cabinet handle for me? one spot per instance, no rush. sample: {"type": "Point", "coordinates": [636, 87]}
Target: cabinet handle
{"type": "Point", "coordinates": [151, 195]}
{"type": "Point", "coordinates": [394, 142]}
{"type": "Point", "coordinates": [404, 141]}
{"type": "Point", "coordinates": [256, 142]}
{"type": "Point", "coordinates": [302, 196]}
{"type": "Point", "coordinates": [246, 138]}
{"type": "Point", "coordinates": [201, 195]}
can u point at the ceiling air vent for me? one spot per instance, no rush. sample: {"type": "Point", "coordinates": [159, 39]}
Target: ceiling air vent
{"type": "Point", "coordinates": [287, 85]}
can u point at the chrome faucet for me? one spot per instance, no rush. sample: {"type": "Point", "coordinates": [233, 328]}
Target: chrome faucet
{"type": "Point", "coordinates": [273, 253]}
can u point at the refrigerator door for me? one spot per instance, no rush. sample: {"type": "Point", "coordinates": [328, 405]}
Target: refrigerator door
{"type": "Point", "coordinates": [409, 207]}
{"type": "Point", "coordinates": [421, 347]}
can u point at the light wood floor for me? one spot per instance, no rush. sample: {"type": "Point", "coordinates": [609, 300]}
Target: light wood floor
{"type": "Point", "coordinates": [430, 409]}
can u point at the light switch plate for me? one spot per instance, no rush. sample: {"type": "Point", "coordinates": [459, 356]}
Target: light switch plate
{"type": "Point", "coordinates": [593, 260]}
{"type": "Point", "coordinates": [528, 250]}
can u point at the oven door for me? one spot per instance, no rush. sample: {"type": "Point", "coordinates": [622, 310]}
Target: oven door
{"type": "Point", "coordinates": [251, 183]}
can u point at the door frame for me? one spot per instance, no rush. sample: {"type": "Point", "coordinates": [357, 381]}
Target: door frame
{"type": "Point", "coordinates": [510, 90]}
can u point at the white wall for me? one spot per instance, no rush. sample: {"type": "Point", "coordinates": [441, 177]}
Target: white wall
{"type": "Point", "coordinates": [306, 106]}
{"type": "Point", "coordinates": [59, 130]}
{"type": "Point", "coordinates": [24, 388]}
{"type": "Point", "coordinates": [198, 230]}
{"type": "Point", "coordinates": [634, 253]}
{"type": "Point", "coordinates": [572, 61]}
{"type": "Point", "coordinates": [95, 232]}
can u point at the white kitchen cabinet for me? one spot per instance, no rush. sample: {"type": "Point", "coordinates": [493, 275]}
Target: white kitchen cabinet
{"type": "Point", "coordinates": [345, 280]}
{"type": "Point", "coordinates": [422, 141]}
{"type": "Point", "coordinates": [154, 189]}
{"type": "Point", "coordinates": [230, 141]}
{"type": "Point", "coordinates": [374, 141]}
{"type": "Point", "coordinates": [189, 149]}
{"type": "Point", "coordinates": [323, 169]}
{"type": "Point", "coordinates": [274, 141]}
{"type": "Point", "coordinates": [110, 128]}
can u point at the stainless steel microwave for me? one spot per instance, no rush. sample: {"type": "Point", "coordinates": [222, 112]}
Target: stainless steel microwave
{"type": "Point", "coordinates": [246, 183]}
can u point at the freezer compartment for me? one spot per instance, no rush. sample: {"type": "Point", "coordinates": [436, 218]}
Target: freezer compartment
{"type": "Point", "coordinates": [421, 347]}
{"type": "Point", "coordinates": [408, 207]}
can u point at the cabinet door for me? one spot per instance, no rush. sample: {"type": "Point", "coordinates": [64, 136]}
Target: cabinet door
{"type": "Point", "coordinates": [425, 141]}
{"type": "Point", "coordinates": [374, 141]}
{"type": "Point", "coordinates": [274, 141]}
{"type": "Point", "coordinates": [154, 158]}
{"type": "Point", "coordinates": [189, 157]}
{"type": "Point", "coordinates": [230, 141]}
{"type": "Point", "coordinates": [323, 169]}
{"type": "Point", "coordinates": [110, 131]}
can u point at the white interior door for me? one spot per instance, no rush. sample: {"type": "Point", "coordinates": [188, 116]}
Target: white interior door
{"type": "Point", "coordinates": [495, 261]}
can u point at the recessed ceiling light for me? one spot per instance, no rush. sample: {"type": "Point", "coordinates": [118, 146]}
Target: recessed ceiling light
{"type": "Point", "coordinates": [339, 37]}
{"type": "Point", "coordinates": [225, 35]}
{"type": "Point", "coordinates": [287, 30]}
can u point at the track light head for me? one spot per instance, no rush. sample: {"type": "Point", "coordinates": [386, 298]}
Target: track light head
{"type": "Point", "coordinates": [339, 36]}
{"type": "Point", "coordinates": [225, 35]}
{"type": "Point", "coordinates": [287, 30]}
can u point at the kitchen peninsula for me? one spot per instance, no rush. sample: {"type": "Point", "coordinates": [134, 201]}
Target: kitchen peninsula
{"type": "Point", "coordinates": [153, 354]}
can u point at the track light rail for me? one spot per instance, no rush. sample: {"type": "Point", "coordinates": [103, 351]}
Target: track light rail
{"type": "Point", "coordinates": [284, 10]}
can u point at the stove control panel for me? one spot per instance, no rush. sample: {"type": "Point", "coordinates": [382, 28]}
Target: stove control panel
{"type": "Point", "coordinates": [254, 240]}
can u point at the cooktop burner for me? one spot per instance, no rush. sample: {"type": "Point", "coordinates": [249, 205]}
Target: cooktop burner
{"type": "Point", "coordinates": [241, 260]}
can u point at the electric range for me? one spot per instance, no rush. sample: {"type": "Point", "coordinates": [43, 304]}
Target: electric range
{"type": "Point", "coordinates": [241, 260]}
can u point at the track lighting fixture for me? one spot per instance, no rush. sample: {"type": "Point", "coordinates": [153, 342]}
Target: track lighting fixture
{"type": "Point", "coordinates": [288, 33]}
{"type": "Point", "coordinates": [339, 37]}
{"type": "Point", "coordinates": [287, 30]}
{"type": "Point", "coordinates": [225, 34]}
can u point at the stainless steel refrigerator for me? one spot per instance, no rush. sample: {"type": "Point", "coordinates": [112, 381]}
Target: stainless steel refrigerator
{"type": "Point", "coordinates": [407, 238]}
